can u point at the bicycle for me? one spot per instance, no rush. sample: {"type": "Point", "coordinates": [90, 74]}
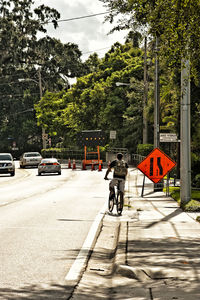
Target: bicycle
{"type": "Point", "coordinates": [116, 198]}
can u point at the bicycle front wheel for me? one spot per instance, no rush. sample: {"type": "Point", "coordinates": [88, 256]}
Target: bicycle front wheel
{"type": "Point", "coordinates": [111, 202]}
{"type": "Point", "coordinates": [120, 202]}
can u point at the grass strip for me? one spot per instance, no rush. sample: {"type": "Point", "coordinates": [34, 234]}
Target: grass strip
{"type": "Point", "coordinates": [192, 206]}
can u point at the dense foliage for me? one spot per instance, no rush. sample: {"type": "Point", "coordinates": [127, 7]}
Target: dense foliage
{"type": "Point", "coordinates": [175, 22]}
{"type": "Point", "coordinates": [24, 58]}
{"type": "Point", "coordinates": [95, 102]}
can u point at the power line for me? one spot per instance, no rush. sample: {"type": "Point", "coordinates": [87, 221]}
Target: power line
{"type": "Point", "coordinates": [77, 18]}
{"type": "Point", "coordinates": [11, 96]}
{"type": "Point", "coordinates": [95, 50]}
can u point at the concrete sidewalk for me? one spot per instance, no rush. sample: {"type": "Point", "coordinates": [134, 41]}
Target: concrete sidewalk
{"type": "Point", "coordinates": [151, 252]}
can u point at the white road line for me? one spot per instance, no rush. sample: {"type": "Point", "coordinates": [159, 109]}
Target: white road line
{"type": "Point", "coordinates": [80, 263]}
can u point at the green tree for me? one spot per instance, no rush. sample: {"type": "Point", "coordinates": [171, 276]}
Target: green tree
{"type": "Point", "coordinates": [95, 102]}
{"type": "Point", "coordinates": [176, 23]}
{"type": "Point", "coordinates": [21, 54]}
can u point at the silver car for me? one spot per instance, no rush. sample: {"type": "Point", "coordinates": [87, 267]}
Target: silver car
{"type": "Point", "coordinates": [49, 165]}
{"type": "Point", "coordinates": [30, 159]}
{"type": "Point", "coordinates": [7, 164]}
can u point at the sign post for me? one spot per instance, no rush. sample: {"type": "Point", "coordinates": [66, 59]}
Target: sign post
{"type": "Point", "coordinates": [156, 165]}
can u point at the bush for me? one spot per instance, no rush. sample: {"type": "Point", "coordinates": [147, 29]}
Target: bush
{"type": "Point", "coordinates": [63, 153]}
{"type": "Point", "coordinates": [195, 167]}
{"type": "Point", "coordinates": [193, 205]}
{"type": "Point", "coordinates": [144, 149]}
{"type": "Point", "coordinates": [196, 181]}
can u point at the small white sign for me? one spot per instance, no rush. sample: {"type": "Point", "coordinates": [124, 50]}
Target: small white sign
{"type": "Point", "coordinates": [168, 137]}
{"type": "Point", "coordinates": [113, 134]}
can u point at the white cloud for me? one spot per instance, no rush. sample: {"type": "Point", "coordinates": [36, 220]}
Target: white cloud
{"type": "Point", "coordinates": [90, 34]}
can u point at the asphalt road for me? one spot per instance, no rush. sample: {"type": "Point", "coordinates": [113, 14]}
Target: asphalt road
{"type": "Point", "coordinates": [44, 221]}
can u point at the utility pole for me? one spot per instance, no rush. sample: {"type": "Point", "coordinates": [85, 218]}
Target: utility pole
{"type": "Point", "coordinates": [157, 101]}
{"type": "Point", "coordinates": [157, 186]}
{"type": "Point", "coordinates": [43, 129]}
{"type": "Point", "coordinates": [185, 189]}
{"type": "Point", "coordinates": [145, 125]}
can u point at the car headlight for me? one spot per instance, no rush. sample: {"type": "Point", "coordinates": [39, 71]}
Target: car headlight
{"type": "Point", "coordinates": [9, 165]}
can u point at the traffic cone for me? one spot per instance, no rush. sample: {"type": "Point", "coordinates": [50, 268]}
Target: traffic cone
{"type": "Point", "coordinates": [100, 167]}
{"type": "Point", "coordinates": [74, 165]}
{"type": "Point", "coordinates": [92, 167]}
{"type": "Point", "coordinates": [83, 166]}
{"type": "Point", "coordinates": [69, 163]}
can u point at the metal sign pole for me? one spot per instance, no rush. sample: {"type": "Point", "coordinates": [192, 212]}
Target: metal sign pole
{"type": "Point", "coordinates": [167, 185]}
{"type": "Point", "coordinates": [142, 194]}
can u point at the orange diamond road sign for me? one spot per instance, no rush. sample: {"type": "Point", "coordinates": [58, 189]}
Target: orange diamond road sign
{"type": "Point", "coordinates": [156, 165]}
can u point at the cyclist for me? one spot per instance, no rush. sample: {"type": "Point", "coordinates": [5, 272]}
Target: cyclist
{"type": "Point", "coordinates": [120, 172]}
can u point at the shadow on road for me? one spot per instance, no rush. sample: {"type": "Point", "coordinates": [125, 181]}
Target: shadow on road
{"type": "Point", "coordinates": [164, 254]}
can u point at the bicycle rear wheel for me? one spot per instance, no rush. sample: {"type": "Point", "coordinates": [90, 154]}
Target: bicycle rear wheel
{"type": "Point", "coordinates": [120, 202]}
{"type": "Point", "coordinates": [111, 202]}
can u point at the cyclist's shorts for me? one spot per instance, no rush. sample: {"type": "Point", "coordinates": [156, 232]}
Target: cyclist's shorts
{"type": "Point", "coordinates": [114, 182]}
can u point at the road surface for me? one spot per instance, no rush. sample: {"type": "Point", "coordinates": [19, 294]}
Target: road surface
{"type": "Point", "coordinates": [44, 221]}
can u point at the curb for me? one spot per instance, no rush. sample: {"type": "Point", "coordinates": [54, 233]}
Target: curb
{"type": "Point", "coordinates": [80, 264]}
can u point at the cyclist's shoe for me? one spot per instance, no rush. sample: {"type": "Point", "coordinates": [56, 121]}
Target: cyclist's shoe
{"type": "Point", "coordinates": [120, 210]}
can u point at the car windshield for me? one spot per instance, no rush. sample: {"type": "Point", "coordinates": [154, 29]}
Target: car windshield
{"type": "Point", "coordinates": [49, 160]}
{"type": "Point", "coordinates": [32, 155]}
{"type": "Point", "coordinates": [5, 157]}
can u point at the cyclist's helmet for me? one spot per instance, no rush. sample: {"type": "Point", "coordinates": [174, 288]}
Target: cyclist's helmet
{"type": "Point", "coordinates": [119, 156]}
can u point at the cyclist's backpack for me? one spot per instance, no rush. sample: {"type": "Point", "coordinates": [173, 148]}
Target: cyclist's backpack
{"type": "Point", "coordinates": [120, 168]}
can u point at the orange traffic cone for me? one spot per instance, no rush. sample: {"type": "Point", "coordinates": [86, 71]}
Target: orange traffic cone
{"type": "Point", "coordinates": [74, 165]}
{"type": "Point", "coordinates": [69, 163]}
{"type": "Point", "coordinates": [100, 167]}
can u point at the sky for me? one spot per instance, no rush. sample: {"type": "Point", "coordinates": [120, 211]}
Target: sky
{"type": "Point", "coordinates": [90, 34]}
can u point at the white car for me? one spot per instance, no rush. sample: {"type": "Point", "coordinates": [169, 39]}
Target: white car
{"type": "Point", "coordinates": [49, 165]}
{"type": "Point", "coordinates": [7, 164]}
{"type": "Point", "coordinates": [31, 159]}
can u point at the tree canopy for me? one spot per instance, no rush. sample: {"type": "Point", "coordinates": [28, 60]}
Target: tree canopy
{"type": "Point", "coordinates": [95, 102]}
{"type": "Point", "coordinates": [23, 57]}
{"type": "Point", "coordinates": [175, 22]}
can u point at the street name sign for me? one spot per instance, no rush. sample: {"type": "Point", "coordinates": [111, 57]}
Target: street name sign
{"type": "Point", "coordinates": [113, 134]}
{"type": "Point", "coordinates": [156, 165]}
{"type": "Point", "coordinates": [168, 137]}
